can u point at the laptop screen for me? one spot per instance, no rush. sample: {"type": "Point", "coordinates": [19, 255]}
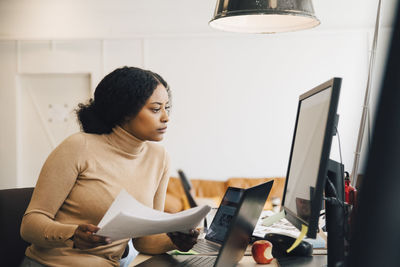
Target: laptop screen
{"type": "Point", "coordinates": [224, 215]}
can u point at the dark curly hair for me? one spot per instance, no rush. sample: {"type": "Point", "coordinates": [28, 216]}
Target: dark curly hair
{"type": "Point", "coordinates": [118, 97]}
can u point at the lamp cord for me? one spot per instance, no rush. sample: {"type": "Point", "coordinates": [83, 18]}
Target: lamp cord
{"type": "Point", "coordinates": [335, 198]}
{"type": "Point", "coordinates": [365, 112]}
{"type": "Point", "coordinates": [340, 147]}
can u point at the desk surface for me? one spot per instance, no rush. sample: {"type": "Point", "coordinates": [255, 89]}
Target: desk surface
{"type": "Point", "coordinates": [248, 261]}
{"type": "Point", "coordinates": [319, 259]}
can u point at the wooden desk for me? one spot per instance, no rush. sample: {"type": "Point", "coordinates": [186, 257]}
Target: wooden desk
{"type": "Point", "coordinates": [248, 261]}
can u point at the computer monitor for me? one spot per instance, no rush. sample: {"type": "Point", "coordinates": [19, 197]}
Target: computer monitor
{"type": "Point", "coordinates": [309, 165]}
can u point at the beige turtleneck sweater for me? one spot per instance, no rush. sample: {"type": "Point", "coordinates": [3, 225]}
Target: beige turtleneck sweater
{"type": "Point", "coordinates": [77, 184]}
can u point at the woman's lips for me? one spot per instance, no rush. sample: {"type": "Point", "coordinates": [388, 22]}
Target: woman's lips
{"type": "Point", "coordinates": [162, 130]}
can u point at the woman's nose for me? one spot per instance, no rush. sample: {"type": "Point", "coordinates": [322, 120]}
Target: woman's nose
{"type": "Point", "coordinates": [165, 117]}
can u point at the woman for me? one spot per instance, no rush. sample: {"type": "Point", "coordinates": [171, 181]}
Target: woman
{"type": "Point", "coordinates": [83, 175]}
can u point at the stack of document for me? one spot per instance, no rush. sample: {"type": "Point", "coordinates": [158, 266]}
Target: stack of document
{"type": "Point", "coordinates": [128, 218]}
{"type": "Point", "coordinates": [282, 226]}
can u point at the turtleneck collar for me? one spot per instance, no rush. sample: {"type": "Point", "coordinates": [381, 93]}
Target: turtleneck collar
{"type": "Point", "coordinates": [125, 141]}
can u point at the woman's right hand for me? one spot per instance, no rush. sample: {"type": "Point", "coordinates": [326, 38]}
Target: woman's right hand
{"type": "Point", "coordinates": [85, 238]}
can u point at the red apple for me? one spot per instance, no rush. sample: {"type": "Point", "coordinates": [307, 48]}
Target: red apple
{"type": "Point", "coordinates": [262, 251]}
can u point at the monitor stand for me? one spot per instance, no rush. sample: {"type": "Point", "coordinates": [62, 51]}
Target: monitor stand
{"type": "Point", "coordinates": [335, 213]}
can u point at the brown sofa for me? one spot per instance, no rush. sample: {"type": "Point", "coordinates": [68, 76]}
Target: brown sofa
{"type": "Point", "coordinates": [214, 190]}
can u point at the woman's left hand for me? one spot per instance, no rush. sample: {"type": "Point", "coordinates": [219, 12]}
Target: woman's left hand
{"type": "Point", "coordinates": [184, 242]}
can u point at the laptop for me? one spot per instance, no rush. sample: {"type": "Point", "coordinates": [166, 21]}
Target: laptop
{"type": "Point", "coordinates": [216, 232]}
{"type": "Point", "coordinates": [236, 239]}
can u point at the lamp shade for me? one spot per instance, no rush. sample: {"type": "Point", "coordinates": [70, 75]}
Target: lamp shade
{"type": "Point", "coordinates": [263, 16]}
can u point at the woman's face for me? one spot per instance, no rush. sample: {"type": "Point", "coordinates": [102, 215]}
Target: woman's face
{"type": "Point", "coordinates": [150, 123]}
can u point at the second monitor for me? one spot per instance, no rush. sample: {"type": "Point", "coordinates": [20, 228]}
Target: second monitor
{"type": "Point", "coordinates": [311, 176]}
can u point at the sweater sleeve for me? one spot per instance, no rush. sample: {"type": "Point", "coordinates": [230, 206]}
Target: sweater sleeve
{"type": "Point", "coordinates": [56, 179]}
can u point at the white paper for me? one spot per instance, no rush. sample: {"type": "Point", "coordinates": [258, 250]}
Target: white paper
{"type": "Point", "coordinates": [128, 218]}
{"type": "Point", "coordinates": [283, 226]}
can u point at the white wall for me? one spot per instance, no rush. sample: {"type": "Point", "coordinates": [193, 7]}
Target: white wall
{"type": "Point", "coordinates": [8, 133]}
{"type": "Point", "coordinates": [234, 96]}
{"type": "Point", "coordinates": [45, 116]}
{"type": "Point", "coordinates": [239, 96]}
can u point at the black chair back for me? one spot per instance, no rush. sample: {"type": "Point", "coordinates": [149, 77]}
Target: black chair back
{"type": "Point", "coordinates": [13, 203]}
{"type": "Point", "coordinates": [187, 185]}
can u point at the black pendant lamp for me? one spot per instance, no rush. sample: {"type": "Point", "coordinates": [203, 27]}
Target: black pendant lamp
{"type": "Point", "coordinates": [263, 16]}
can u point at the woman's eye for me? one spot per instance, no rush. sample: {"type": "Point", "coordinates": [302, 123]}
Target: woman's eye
{"type": "Point", "coordinates": [156, 110]}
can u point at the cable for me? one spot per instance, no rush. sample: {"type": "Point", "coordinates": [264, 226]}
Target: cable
{"type": "Point", "coordinates": [340, 147]}
{"type": "Point", "coordinates": [335, 198]}
{"type": "Point", "coordinates": [342, 174]}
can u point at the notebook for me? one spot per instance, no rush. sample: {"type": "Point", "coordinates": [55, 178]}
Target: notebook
{"type": "Point", "coordinates": [220, 224]}
{"type": "Point", "coordinates": [236, 239]}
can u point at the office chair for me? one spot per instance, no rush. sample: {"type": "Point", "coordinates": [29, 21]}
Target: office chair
{"type": "Point", "coordinates": [13, 203]}
{"type": "Point", "coordinates": [187, 185]}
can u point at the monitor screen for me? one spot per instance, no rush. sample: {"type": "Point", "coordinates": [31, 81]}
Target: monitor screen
{"type": "Point", "coordinates": [314, 128]}
{"type": "Point", "coordinates": [224, 215]}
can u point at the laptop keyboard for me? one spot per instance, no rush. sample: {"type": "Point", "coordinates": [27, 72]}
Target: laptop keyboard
{"type": "Point", "coordinates": [202, 246]}
{"type": "Point", "coordinates": [203, 261]}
